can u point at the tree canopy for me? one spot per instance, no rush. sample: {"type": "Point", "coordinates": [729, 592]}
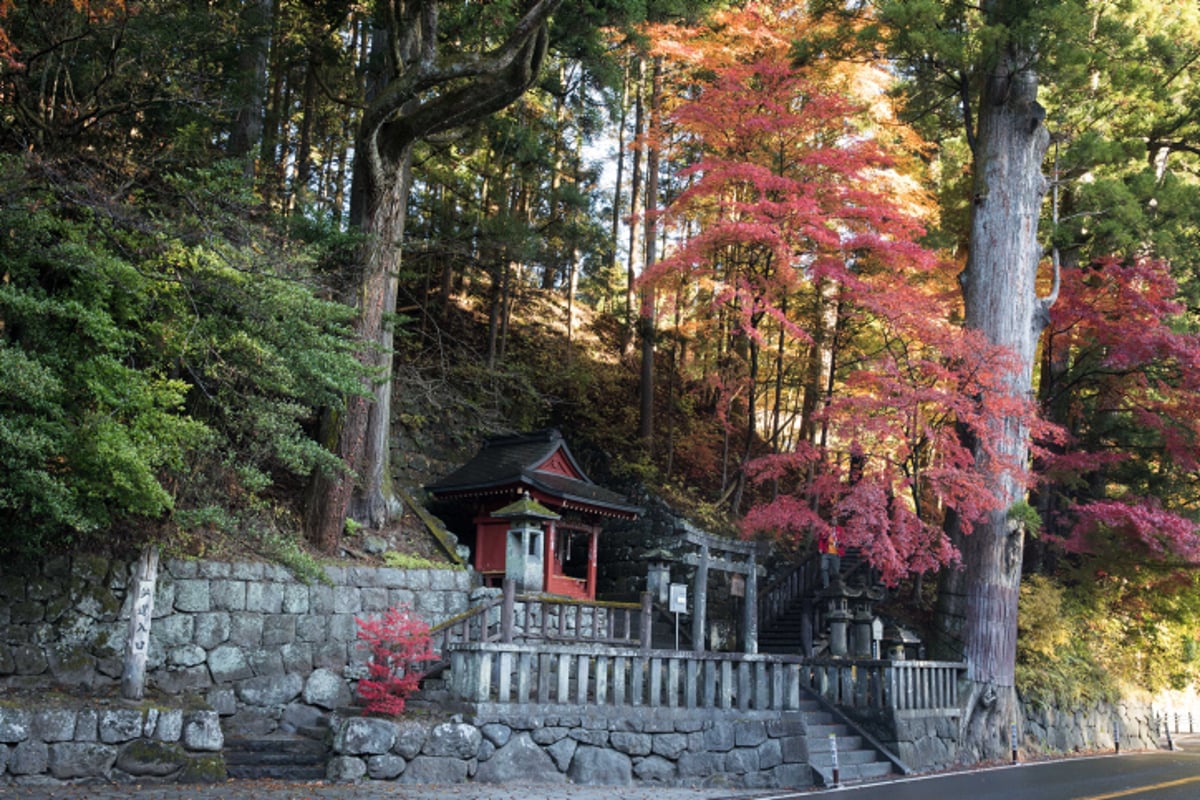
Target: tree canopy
{"type": "Point", "coordinates": [926, 271]}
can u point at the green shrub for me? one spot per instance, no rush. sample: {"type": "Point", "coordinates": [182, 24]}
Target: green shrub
{"type": "Point", "coordinates": [408, 561]}
{"type": "Point", "coordinates": [1055, 664]}
{"type": "Point", "coordinates": [148, 367]}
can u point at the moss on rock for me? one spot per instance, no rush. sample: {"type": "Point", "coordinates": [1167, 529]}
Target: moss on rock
{"type": "Point", "coordinates": [151, 758]}
{"type": "Point", "coordinates": [204, 769]}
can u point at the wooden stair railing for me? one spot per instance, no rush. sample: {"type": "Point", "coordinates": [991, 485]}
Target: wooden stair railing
{"type": "Point", "coordinates": [525, 618]}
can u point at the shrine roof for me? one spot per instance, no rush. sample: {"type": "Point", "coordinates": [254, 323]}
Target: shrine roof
{"type": "Point", "coordinates": [540, 460]}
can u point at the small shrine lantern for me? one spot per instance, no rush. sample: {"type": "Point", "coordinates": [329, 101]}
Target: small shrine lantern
{"type": "Point", "coordinates": [524, 562]}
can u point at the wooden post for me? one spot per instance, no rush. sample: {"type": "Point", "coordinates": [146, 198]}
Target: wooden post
{"type": "Point", "coordinates": [750, 608]}
{"type": "Point", "coordinates": [806, 627]}
{"type": "Point", "coordinates": [647, 621]}
{"type": "Point", "coordinates": [137, 642]}
{"type": "Point", "coordinates": [593, 557]}
{"type": "Point", "coordinates": [507, 610]}
{"type": "Point", "coordinates": [700, 602]}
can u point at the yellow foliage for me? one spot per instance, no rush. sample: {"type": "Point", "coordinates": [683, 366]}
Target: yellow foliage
{"type": "Point", "coordinates": [1042, 629]}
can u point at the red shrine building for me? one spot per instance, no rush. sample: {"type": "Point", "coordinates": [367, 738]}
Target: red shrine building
{"type": "Point", "coordinates": [536, 470]}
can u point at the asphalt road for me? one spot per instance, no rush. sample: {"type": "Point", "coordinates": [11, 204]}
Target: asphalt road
{"type": "Point", "coordinates": [1134, 776]}
{"type": "Point", "coordinates": [1161, 775]}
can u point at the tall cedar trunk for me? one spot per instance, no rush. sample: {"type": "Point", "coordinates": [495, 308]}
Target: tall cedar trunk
{"type": "Point", "coordinates": [615, 220]}
{"type": "Point", "coordinates": [359, 434]}
{"type": "Point", "coordinates": [820, 359]}
{"type": "Point", "coordinates": [386, 215]}
{"type": "Point", "coordinates": [1056, 404]}
{"type": "Point", "coordinates": [1050, 498]}
{"type": "Point", "coordinates": [254, 31]}
{"type": "Point", "coordinates": [635, 208]}
{"type": "Point", "coordinates": [417, 94]}
{"type": "Point", "coordinates": [270, 154]}
{"type": "Point", "coordinates": [576, 262]}
{"type": "Point", "coordinates": [304, 149]}
{"type": "Point", "coordinates": [776, 415]}
{"type": "Point", "coordinates": [646, 313]}
{"type": "Point", "coordinates": [1001, 302]}
{"type": "Point", "coordinates": [559, 210]}
{"type": "Point", "coordinates": [753, 351]}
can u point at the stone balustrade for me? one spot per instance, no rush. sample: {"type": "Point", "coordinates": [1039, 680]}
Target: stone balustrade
{"type": "Point", "coordinates": [603, 675]}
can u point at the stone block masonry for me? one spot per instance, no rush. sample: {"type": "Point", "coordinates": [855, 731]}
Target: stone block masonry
{"type": "Point", "coordinates": [268, 652]}
{"type": "Point", "coordinates": [594, 747]}
{"type": "Point", "coordinates": [67, 740]}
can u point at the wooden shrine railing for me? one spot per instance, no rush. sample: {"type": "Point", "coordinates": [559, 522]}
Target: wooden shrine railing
{"type": "Point", "coordinates": [782, 593]}
{"type": "Point", "coordinates": [894, 685]}
{"type": "Point", "coordinates": [546, 673]}
{"type": "Point", "coordinates": [535, 618]}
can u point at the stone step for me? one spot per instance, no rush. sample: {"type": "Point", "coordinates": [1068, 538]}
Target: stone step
{"type": "Point", "coordinates": [845, 742]}
{"type": "Point", "coordinates": [852, 773]}
{"type": "Point", "coordinates": [281, 757]}
{"type": "Point", "coordinates": [819, 729]}
{"type": "Point", "coordinates": [290, 772]}
{"type": "Point", "coordinates": [318, 732]}
{"type": "Point", "coordinates": [845, 757]}
{"type": "Point", "coordinates": [277, 745]}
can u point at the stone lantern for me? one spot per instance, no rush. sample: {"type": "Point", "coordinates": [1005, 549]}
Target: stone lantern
{"type": "Point", "coordinates": [839, 617]}
{"type": "Point", "coordinates": [525, 553]}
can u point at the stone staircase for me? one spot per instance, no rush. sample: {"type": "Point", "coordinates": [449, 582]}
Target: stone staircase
{"type": "Point", "coordinates": [783, 636]}
{"type": "Point", "coordinates": [857, 760]}
{"type": "Point", "coordinates": [296, 756]}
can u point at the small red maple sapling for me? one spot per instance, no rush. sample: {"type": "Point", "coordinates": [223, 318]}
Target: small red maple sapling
{"type": "Point", "coordinates": [399, 644]}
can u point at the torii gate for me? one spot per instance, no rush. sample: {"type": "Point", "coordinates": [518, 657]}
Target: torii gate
{"type": "Point", "coordinates": [726, 551]}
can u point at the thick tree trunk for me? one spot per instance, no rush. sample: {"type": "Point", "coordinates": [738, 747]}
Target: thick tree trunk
{"type": "Point", "coordinates": [254, 30]}
{"type": "Point", "coordinates": [373, 501]}
{"type": "Point", "coordinates": [359, 435]}
{"type": "Point", "coordinates": [820, 359]}
{"type": "Point", "coordinates": [617, 207]}
{"type": "Point", "coordinates": [999, 288]}
{"type": "Point", "coordinates": [646, 326]}
{"type": "Point", "coordinates": [414, 93]}
{"type": "Point", "coordinates": [636, 208]}
{"type": "Point", "coordinates": [301, 190]}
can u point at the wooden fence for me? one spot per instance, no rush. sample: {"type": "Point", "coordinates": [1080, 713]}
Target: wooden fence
{"type": "Point", "coordinates": [513, 618]}
{"type": "Point", "coordinates": [532, 649]}
{"type": "Point", "coordinates": [548, 673]}
{"type": "Point", "coordinates": [896, 685]}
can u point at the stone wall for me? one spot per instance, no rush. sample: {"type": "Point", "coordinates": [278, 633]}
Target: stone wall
{"type": "Point", "coordinates": [585, 747]}
{"type": "Point", "coordinates": [627, 548]}
{"type": "Point", "coordinates": [266, 651]}
{"type": "Point", "coordinates": [69, 741]}
{"type": "Point", "coordinates": [1082, 729]}
{"type": "Point", "coordinates": [926, 741]}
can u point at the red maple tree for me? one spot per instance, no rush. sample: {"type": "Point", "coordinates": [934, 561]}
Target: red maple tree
{"type": "Point", "coordinates": [399, 645]}
{"type": "Point", "coordinates": [1122, 376]}
{"type": "Point", "coordinates": [791, 205]}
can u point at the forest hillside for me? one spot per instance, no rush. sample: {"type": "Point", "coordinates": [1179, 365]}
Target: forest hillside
{"type": "Point", "coordinates": [924, 274]}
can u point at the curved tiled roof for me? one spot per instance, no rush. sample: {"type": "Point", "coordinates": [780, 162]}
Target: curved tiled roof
{"type": "Point", "coordinates": [509, 461]}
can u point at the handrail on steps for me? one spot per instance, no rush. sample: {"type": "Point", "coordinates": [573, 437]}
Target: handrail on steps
{"type": "Point", "coordinates": [543, 617]}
